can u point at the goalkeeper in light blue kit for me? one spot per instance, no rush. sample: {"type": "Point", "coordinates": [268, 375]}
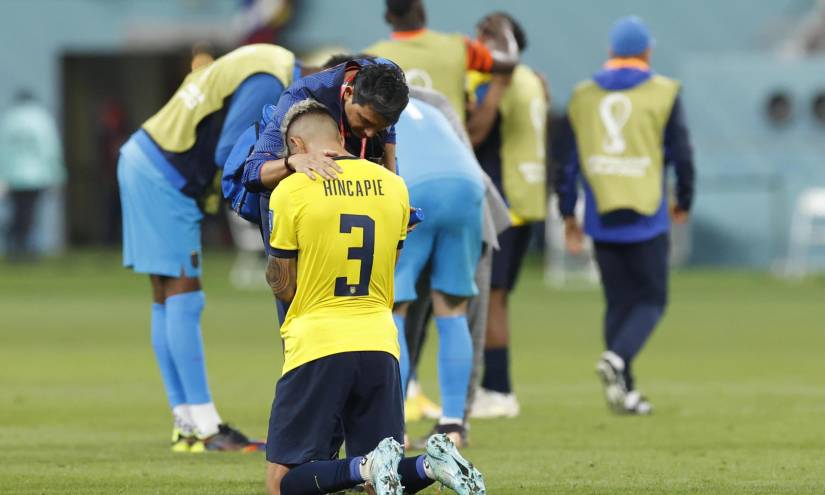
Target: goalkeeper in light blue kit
{"type": "Point", "coordinates": [445, 181]}
{"type": "Point", "coordinates": [166, 174]}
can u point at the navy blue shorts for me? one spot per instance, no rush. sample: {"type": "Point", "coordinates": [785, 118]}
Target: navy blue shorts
{"type": "Point", "coordinates": [357, 391]}
{"type": "Point", "coordinates": [507, 260]}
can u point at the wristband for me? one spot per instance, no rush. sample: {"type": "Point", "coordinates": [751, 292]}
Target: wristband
{"type": "Point", "coordinates": [416, 216]}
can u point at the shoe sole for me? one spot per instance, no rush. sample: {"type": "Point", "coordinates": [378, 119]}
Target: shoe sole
{"type": "Point", "coordinates": [386, 480]}
{"type": "Point", "coordinates": [470, 481]}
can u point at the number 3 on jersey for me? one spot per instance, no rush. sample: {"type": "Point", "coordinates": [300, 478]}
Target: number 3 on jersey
{"type": "Point", "coordinates": [363, 253]}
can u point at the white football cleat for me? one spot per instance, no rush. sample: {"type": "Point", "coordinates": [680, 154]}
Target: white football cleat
{"type": "Point", "coordinates": [636, 403]}
{"type": "Point", "coordinates": [445, 465]}
{"type": "Point", "coordinates": [380, 468]}
{"type": "Point", "coordinates": [611, 370]}
{"type": "Point", "coordinates": [489, 404]}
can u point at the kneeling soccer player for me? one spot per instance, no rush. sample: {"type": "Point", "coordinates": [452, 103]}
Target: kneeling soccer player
{"type": "Point", "coordinates": [334, 246]}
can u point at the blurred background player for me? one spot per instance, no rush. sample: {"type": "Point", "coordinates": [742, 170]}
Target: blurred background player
{"type": "Point", "coordinates": [439, 61]}
{"type": "Point", "coordinates": [445, 181]}
{"type": "Point", "coordinates": [508, 128]}
{"type": "Point", "coordinates": [340, 345]}
{"type": "Point", "coordinates": [628, 124]}
{"type": "Point", "coordinates": [166, 175]}
{"type": "Point", "coordinates": [31, 162]}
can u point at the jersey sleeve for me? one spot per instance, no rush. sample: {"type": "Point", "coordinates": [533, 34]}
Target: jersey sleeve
{"type": "Point", "coordinates": [405, 206]}
{"type": "Point", "coordinates": [244, 108]}
{"type": "Point", "coordinates": [283, 239]}
{"type": "Point", "coordinates": [269, 145]}
{"type": "Point", "coordinates": [479, 56]}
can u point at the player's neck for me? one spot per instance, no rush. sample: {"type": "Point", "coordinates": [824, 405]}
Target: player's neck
{"type": "Point", "coordinates": [332, 146]}
{"type": "Point", "coordinates": [409, 26]}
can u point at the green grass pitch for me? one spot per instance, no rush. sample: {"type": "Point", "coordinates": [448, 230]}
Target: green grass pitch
{"type": "Point", "coordinates": [736, 373]}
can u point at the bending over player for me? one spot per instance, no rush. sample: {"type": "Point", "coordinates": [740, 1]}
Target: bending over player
{"type": "Point", "coordinates": [446, 182]}
{"type": "Point", "coordinates": [334, 246]}
{"type": "Point", "coordinates": [165, 174]}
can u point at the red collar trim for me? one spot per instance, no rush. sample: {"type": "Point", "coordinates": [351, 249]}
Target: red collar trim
{"type": "Point", "coordinates": [405, 35]}
{"type": "Point", "coordinates": [626, 63]}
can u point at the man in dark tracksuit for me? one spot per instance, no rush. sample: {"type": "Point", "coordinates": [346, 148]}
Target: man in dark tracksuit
{"type": "Point", "coordinates": [627, 124]}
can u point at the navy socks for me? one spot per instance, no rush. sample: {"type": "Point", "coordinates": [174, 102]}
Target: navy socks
{"type": "Point", "coordinates": [317, 477]}
{"type": "Point", "coordinates": [413, 477]}
{"type": "Point", "coordinates": [497, 370]}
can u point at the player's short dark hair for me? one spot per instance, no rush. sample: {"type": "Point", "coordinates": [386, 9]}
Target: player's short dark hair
{"type": "Point", "coordinates": [518, 31]}
{"type": "Point", "coordinates": [400, 8]}
{"type": "Point", "coordinates": [382, 87]}
{"type": "Point", "coordinates": [342, 58]}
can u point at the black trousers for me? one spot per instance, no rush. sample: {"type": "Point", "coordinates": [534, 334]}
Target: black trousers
{"type": "Point", "coordinates": [24, 206]}
{"type": "Point", "coordinates": [635, 283]}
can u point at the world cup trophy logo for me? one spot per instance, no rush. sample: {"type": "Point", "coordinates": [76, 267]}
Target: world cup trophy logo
{"type": "Point", "coordinates": [615, 110]}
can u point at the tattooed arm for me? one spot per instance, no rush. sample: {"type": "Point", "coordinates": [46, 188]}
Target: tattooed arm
{"type": "Point", "coordinates": [282, 276]}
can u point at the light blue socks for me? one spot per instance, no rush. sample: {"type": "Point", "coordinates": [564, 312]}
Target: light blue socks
{"type": "Point", "coordinates": [183, 334]}
{"type": "Point", "coordinates": [404, 359]}
{"type": "Point", "coordinates": [455, 362]}
{"type": "Point", "coordinates": [160, 344]}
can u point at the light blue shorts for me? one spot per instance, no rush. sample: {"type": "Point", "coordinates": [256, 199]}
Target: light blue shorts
{"type": "Point", "coordinates": [449, 239]}
{"type": "Point", "coordinates": [161, 225]}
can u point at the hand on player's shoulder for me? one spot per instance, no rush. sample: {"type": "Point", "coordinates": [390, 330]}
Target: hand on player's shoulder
{"type": "Point", "coordinates": [316, 164]}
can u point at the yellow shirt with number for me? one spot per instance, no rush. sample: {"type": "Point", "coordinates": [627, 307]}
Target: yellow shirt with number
{"type": "Point", "coordinates": [345, 234]}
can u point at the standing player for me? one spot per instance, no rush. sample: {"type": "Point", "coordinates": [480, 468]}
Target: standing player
{"type": "Point", "coordinates": [32, 163]}
{"type": "Point", "coordinates": [166, 174]}
{"type": "Point", "coordinates": [446, 183]}
{"type": "Point", "coordinates": [439, 61]}
{"type": "Point", "coordinates": [333, 248]}
{"type": "Point", "coordinates": [628, 123]}
{"type": "Point", "coordinates": [508, 128]}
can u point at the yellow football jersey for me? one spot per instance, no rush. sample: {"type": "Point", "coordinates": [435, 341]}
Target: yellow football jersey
{"type": "Point", "coordinates": [345, 234]}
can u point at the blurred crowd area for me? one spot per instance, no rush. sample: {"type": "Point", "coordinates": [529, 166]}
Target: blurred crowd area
{"type": "Point", "coordinates": [81, 76]}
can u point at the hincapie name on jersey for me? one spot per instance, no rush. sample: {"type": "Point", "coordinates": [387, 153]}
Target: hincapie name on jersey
{"type": "Point", "coordinates": [364, 187]}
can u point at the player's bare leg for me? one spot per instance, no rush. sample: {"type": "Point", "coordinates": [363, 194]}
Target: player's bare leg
{"type": "Point", "coordinates": [498, 330]}
{"type": "Point", "coordinates": [274, 474]}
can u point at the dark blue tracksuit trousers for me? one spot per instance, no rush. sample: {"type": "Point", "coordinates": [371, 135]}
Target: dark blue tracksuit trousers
{"type": "Point", "coordinates": [634, 279]}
